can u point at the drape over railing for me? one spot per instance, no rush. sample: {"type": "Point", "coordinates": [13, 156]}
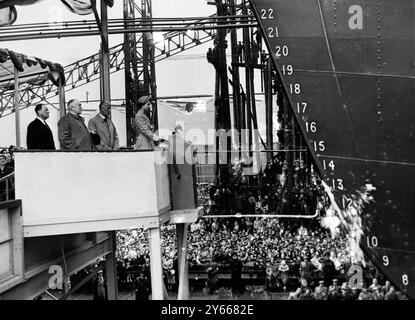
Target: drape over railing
{"type": "Point", "coordinates": [8, 11]}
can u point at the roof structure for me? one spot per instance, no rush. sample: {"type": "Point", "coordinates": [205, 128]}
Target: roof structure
{"type": "Point", "coordinates": [32, 70]}
{"type": "Point", "coordinates": [8, 10]}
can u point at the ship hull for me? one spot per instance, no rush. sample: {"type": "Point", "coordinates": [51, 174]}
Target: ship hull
{"type": "Point", "coordinates": [348, 68]}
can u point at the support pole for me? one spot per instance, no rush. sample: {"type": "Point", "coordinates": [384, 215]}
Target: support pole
{"type": "Point", "coordinates": [269, 108]}
{"type": "Point", "coordinates": [155, 264]}
{"type": "Point", "coordinates": [293, 138]}
{"type": "Point", "coordinates": [17, 106]}
{"type": "Point", "coordinates": [105, 62]}
{"type": "Point", "coordinates": [62, 108]}
{"type": "Point", "coordinates": [288, 142]}
{"type": "Point", "coordinates": [223, 118]}
{"type": "Point", "coordinates": [247, 55]}
{"type": "Point", "coordinates": [131, 73]}
{"type": "Point", "coordinates": [111, 269]}
{"type": "Point", "coordinates": [183, 292]}
{"type": "Point", "coordinates": [235, 81]}
{"type": "Point", "coordinates": [110, 261]}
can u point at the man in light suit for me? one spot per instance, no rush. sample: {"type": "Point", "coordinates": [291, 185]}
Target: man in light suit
{"type": "Point", "coordinates": [72, 131]}
{"type": "Point", "coordinates": [39, 136]}
{"type": "Point", "coordinates": [104, 127]}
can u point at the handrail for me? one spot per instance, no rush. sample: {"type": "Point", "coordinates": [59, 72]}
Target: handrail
{"type": "Point", "coordinates": [9, 186]}
{"type": "Point", "coordinates": [239, 215]}
{"type": "Point", "coordinates": [7, 177]}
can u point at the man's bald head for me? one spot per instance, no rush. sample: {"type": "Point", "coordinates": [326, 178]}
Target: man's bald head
{"type": "Point", "coordinates": [74, 106]}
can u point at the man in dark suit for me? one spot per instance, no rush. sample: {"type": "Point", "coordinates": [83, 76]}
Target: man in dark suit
{"type": "Point", "coordinates": [142, 287]}
{"type": "Point", "coordinates": [236, 274]}
{"type": "Point", "coordinates": [39, 135]}
{"type": "Point", "coordinates": [72, 131]}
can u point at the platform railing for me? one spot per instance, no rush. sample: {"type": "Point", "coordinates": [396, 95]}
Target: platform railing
{"type": "Point", "coordinates": [8, 183]}
{"type": "Point", "coordinates": [11, 245]}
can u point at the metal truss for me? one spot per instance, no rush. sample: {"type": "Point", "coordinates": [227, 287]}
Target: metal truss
{"type": "Point", "coordinates": [87, 70]}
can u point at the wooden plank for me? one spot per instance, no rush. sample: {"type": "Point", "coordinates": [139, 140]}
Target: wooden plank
{"type": "Point", "coordinates": [18, 245]}
{"type": "Point", "coordinates": [10, 204]}
{"type": "Point", "coordinates": [38, 283]}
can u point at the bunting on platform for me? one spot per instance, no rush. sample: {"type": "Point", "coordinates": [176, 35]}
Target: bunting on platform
{"type": "Point", "coordinates": [81, 7]}
{"type": "Point", "coordinates": [8, 12]}
{"type": "Point", "coordinates": [31, 70]}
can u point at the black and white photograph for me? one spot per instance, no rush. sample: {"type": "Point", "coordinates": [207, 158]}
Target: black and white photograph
{"type": "Point", "coordinates": [238, 153]}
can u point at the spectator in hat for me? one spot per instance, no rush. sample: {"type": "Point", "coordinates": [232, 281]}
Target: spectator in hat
{"type": "Point", "coordinates": [306, 293]}
{"type": "Point", "coordinates": [386, 287]}
{"type": "Point", "coordinates": [102, 125]}
{"type": "Point", "coordinates": [295, 295]}
{"type": "Point", "coordinates": [391, 294]}
{"type": "Point", "coordinates": [334, 291]}
{"type": "Point", "coordinates": [365, 294]}
{"type": "Point", "coordinates": [72, 131]}
{"type": "Point", "coordinates": [212, 280]}
{"type": "Point", "coordinates": [236, 274]}
{"type": "Point", "coordinates": [401, 295]}
{"type": "Point", "coordinates": [377, 294]}
{"type": "Point", "coordinates": [375, 286]}
{"type": "Point", "coordinates": [305, 269]}
{"type": "Point", "coordinates": [171, 279]}
{"type": "Point", "coordinates": [145, 138]}
{"type": "Point", "coordinates": [146, 267]}
{"type": "Point", "coordinates": [271, 280]}
{"type": "Point", "coordinates": [141, 287]}
{"type": "Point", "coordinates": [346, 292]}
{"type": "Point", "coordinates": [320, 292]}
{"type": "Point", "coordinates": [283, 269]}
{"type": "Point", "coordinates": [355, 293]}
{"type": "Point", "coordinates": [100, 287]}
{"type": "Point", "coordinates": [39, 136]}
{"type": "Point", "coordinates": [328, 269]}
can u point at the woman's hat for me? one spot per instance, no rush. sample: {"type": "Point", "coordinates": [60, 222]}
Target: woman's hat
{"type": "Point", "coordinates": [143, 99]}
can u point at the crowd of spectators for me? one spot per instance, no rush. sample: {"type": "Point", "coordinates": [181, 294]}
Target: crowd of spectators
{"type": "Point", "coordinates": [276, 190]}
{"type": "Point", "coordinates": [259, 243]}
{"type": "Point", "coordinates": [345, 292]}
{"type": "Point", "coordinates": [305, 260]}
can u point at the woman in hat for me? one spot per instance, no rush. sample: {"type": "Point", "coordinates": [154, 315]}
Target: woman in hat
{"type": "Point", "coordinates": [100, 287]}
{"type": "Point", "coordinates": [145, 138]}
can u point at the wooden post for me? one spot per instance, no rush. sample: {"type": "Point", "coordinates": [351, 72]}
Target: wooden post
{"type": "Point", "coordinates": [183, 292]}
{"type": "Point", "coordinates": [62, 107]}
{"type": "Point", "coordinates": [105, 63]}
{"type": "Point", "coordinates": [155, 264]}
{"type": "Point", "coordinates": [18, 242]}
{"type": "Point", "coordinates": [111, 269]}
{"type": "Point", "coordinates": [17, 106]}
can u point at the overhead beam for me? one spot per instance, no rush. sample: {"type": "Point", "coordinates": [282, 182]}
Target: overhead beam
{"type": "Point", "coordinates": [87, 32]}
{"type": "Point", "coordinates": [87, 69]}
